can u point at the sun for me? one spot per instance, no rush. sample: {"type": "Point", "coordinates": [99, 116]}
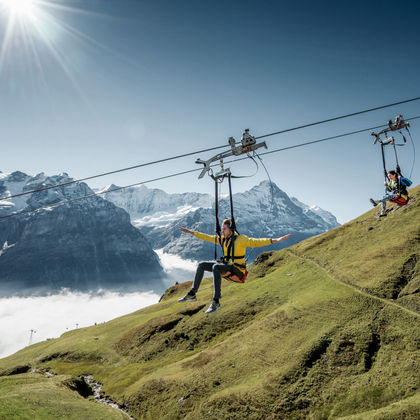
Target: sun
{"type": "Point", "coordinates": [20, 8]}
{"type": "Point", "coordinates": [31, 30]}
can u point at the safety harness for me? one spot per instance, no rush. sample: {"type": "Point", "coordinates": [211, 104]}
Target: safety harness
{"type": "Point", "coordinates": [235, 274]}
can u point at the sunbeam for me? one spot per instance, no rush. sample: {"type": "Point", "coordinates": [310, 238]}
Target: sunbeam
{"type": "Point", "coordinates": [31, 28]}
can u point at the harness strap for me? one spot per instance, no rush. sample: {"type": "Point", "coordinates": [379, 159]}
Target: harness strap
{"type": "Point", "coordinates": [240, 265]}
{"type": "Point", "coordinates": [239, 257]}
{"type": "Point", "coordinates": [229, 247]}
{"type": "Point", "coordinates": [218, 229]}
{"type": "Point", "coordinates": [233, 224]}
{"type": "Point", "coordinates": [384, 164]}
{"type": "Point", "coordinates": [396, 159]}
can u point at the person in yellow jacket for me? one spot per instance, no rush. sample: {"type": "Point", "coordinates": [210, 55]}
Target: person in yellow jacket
{"type": "Point", "coordinates": [236, 265]}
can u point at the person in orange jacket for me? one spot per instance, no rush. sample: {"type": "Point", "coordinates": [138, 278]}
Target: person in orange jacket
{"type": "Point", "coordinates": [234, 264]}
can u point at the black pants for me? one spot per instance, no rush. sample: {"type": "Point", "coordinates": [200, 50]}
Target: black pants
{"type": "Point", "coordinates": [217, 269]}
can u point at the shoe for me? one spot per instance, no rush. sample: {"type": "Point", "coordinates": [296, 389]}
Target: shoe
{"type": "Point", "coordinates": [189, 297]}
{"type": "Point", "coordinates": [384, 213]}
{"type": "Point", "coordinates": [214, 306]}
{"type": "Point", "coordinates": [374, 203]}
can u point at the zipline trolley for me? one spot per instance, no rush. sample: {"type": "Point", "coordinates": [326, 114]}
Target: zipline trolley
{"type": "Point", "coordinates": [248, 146]}
{"type": "Point", "coordinates": [397, 125]}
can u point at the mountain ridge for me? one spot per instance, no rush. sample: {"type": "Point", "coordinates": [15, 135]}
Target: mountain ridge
{"type": "Point", "coordinates": [80, 245]}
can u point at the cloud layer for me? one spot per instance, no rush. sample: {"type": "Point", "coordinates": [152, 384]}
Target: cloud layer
{"type": "Point", "coordinates": [51, 316]}
{"type": "Point", "coordinates": [176, 268]}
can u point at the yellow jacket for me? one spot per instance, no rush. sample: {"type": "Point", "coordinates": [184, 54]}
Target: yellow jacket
{"type": "Point", "coordinates": [241, 243]}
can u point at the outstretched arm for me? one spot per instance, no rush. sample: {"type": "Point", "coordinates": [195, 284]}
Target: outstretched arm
{"type": "Point", "coordinates": [191, 232]}
{"type": "Point", "coordinates": [282, 238]}
{"type": "Point", "coordinates": [258, 242]}
{"type": "Point", "coordinates": [199, 235]}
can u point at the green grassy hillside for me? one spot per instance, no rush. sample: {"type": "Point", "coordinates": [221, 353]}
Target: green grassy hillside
{"type": "Point", "coordinates": [36, 396]}
{"type": "Point", "coordinates": [329, 328]}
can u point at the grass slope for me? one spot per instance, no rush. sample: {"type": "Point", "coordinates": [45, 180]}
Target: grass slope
{"type": "Point", "coordinates": [37, 397]}
{"type": "Point", "coordinates": [326, 329]}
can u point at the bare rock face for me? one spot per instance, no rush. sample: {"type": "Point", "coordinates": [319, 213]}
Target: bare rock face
{"type": "Point", "coordinates": [83, 245]}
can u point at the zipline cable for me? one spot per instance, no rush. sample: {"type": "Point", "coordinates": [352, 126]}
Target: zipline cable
{"type": "Point", "coordinates": [191, 171]}
{"type": "Point", "coordinates": [204, 150]}
{"type": "Point", "coordinates": [60, 203]}
{"type": "Point", "coordinates": [327, 138]}
{"type": "Point", "coordinates": [338, 118]}
{"type": "Point", "coordinates": [111, 172]}
{"type": "Point", "coordinates": [414, 154]}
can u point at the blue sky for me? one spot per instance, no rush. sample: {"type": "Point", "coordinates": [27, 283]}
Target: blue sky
{"type": "Point", "coordinates": [132, 81]}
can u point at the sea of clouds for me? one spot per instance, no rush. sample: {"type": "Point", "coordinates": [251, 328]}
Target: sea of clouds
{"type": "Point", "coordinates": [51, 316]}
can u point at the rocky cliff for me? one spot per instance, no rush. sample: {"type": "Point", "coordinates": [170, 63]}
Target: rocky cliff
{"type": "Point", "coordinates": [84, 245]}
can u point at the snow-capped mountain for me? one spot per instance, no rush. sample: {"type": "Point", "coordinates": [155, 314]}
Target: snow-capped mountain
{"type": "Point", "coordinates": [311, 210]}
{"type": "Point", "coordinates": [263, 211]}
{"type": "Point", "coordinates": [154, 207]}
{"type": "Point", "coordinates": [85, 244]}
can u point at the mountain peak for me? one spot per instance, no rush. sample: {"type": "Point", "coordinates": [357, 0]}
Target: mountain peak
{"type": "Point", "coordinates": [18, 176]}
{"type": "Point", "coordinates": [267, 186]}
{"type": "Point", "coordinates": [111, 187]}
{"type": "Point", "coordinates": [78, 239]}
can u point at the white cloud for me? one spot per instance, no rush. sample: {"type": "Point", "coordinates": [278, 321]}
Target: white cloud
{"type": "Point", "coordinates": [171, 261]}
{"type": "Point", "coordinates": [176, 268]}
{"type": "Point", "coordinates": [51, 316]}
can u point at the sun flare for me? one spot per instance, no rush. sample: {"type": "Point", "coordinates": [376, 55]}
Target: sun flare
{"type": "Point", "coordinates": [20, 7]}
{"type": "Point", "coordinates": [32, 30]}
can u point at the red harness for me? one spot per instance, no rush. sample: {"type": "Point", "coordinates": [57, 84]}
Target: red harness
{"type": "Point", "coordinates": [401, 201]}
{"type": "Point", "coordinates": [234, 277]}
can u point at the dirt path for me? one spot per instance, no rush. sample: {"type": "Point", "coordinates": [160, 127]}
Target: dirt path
{"type": "Point", "coordinates": [360, 290]}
